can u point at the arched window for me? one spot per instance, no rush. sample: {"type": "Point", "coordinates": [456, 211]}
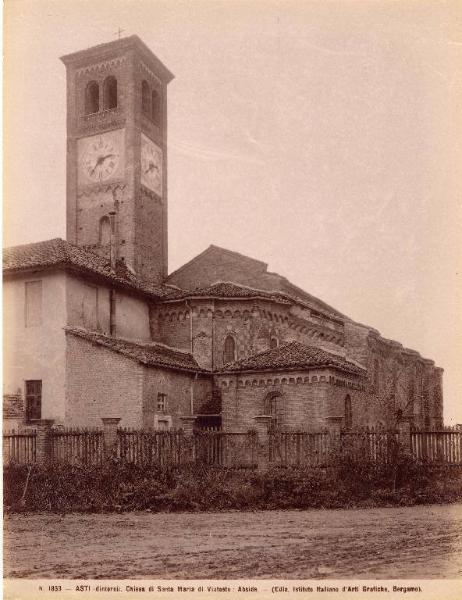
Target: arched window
{"type": "Point", "coordinates": [110, 93]}
{"type": "Point", "coordinates": [229, 351]}
{"type": "Point", "coordinates": [273, 342]}
{"type": "Point", "coordinates": [272, 407]}
{"type": "Point", "coordinates": [104, 231]}
{"type": "Point", "coordinates": [348, 413]}
{"type": "Point", "coordinates": [91, 98]}
{"type": "Point", "coordinates": [145, 98]}
{"type": "Point", "coordinates": [155, 107]}
{"type": "Point", "coordinates": [271, 404]}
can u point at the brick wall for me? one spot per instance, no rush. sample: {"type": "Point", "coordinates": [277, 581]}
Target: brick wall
{"type": "Point", "coordinates": [304, 399]}
{"type": "Point", "coordinates": [141, 220]}
{"type": "Point", "coordinates": [401, 380]}
{"type": "Point", "coordinates": [177, 386]}
{"type": "Point", "coordinates": [405, 381]}
{"type": "Point", "coordinates": [206, 396]}
{"type": "Point", "coordinates": [172, 325]}
{"type": "Point", "coordinates": [365, 409]}
{"type": "Point", "coordinates": [101, 383]}
{"type": "Point", "coordinates": [177, 389]}
{"type": "Point", "coordinates": [356, 342]}
{"type": "Point", "coordinates": [403, 373]}
{"type": "Point", "coordinates": [252, 324]}
{"type": "Point", "coordinates": [150, 253]}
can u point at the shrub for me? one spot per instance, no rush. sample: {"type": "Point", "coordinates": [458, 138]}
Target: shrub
{"type": "Point", "coordinates": [121, 486]}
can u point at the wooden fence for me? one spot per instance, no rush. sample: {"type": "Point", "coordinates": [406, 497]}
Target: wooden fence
{"type": "Point", "coordinates": [163, 448]}
{"type": "Point", "coordinates": [141, 447]}
{"type": "Point", "coordinates": [151, 447]}
{"type": "Point", "coordinates": [77, 446]}
{"type": "Point", "coordinates": [228, 449]}
{"type": "Point", "coordinates": [19, 447]}
{"type": "Point", "coordinates": [370, 444]}
{"type": "Point", "coordinates": [299, 448]}
{"type": "Point", "coordinates": [437, 446]}
{"type": "Point", "coordinates": [225, 448]}
{"type": "Point", "coordinates": [322, 448]}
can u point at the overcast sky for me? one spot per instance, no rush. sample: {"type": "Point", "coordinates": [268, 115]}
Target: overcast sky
{"type": "Point", "coordinates": [323, 138]}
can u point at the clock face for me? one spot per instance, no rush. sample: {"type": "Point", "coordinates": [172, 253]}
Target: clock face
{"type": "Point", "coordinates": [100, 157]}
{"type": "Point", "coordinates": [151, 165]}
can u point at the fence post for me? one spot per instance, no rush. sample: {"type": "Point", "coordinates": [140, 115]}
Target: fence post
{"type": "Point", "coordinates": [43, 446]}
{"type": "Point", "coordinates": [262, 425]}
{"type": "Point", "coordinates": [110, 425]}
{"type": "Point", "coordinates": [404, 435]}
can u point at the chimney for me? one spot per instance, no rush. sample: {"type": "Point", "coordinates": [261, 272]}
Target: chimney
{"type": "Point", "coordinates": [113, 254]}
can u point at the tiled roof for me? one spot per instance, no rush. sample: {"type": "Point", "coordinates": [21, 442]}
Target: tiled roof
{"type": "Point", "coordinates": [214, 249]}
{"type": "Point", "coordinates": [227, 289]}
{"type": "Point", "coordinates": [59, 253]}
{"type": "Point", "coordinates": [292, 355]}
{"type": "Point", "coordinates": [258, 271]}
{"type": "Point", "coordinates": [151, 354]}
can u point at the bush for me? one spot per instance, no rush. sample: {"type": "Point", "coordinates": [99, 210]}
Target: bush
{"type": "Point", "coordinates": [120, 486]}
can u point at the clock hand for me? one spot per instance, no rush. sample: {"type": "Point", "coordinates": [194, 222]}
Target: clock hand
{"type": "Point", "coordinates": [151, 167]}
{"type": "Point", "coordinates": [93, 170]}
{"type": "Point", "coordinates": [103, 158]}
{"type": "Point", "coordinates": [100, 161]}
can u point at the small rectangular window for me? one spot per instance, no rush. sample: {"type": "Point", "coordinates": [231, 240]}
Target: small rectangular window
{"type": "Point", "coordinates": [33, 399]}
{"type": "Point", "coordinates": [161, 402]}
{"type": "Point", "coordinates": [33, 303]}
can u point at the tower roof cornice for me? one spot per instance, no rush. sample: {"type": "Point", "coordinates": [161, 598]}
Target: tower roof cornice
{"type": "Point", "coordinates": [115, 48]}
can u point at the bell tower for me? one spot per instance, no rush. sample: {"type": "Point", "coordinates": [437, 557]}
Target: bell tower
{"type": "Point", "coordinates": [117, 154]}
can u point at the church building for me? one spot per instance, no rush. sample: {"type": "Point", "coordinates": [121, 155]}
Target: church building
{"type": "Point", "coordinates": [95, 326]}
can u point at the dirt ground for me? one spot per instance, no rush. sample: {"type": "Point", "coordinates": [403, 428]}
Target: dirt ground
{"type": "Point", "coordinates": [417, 542]}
